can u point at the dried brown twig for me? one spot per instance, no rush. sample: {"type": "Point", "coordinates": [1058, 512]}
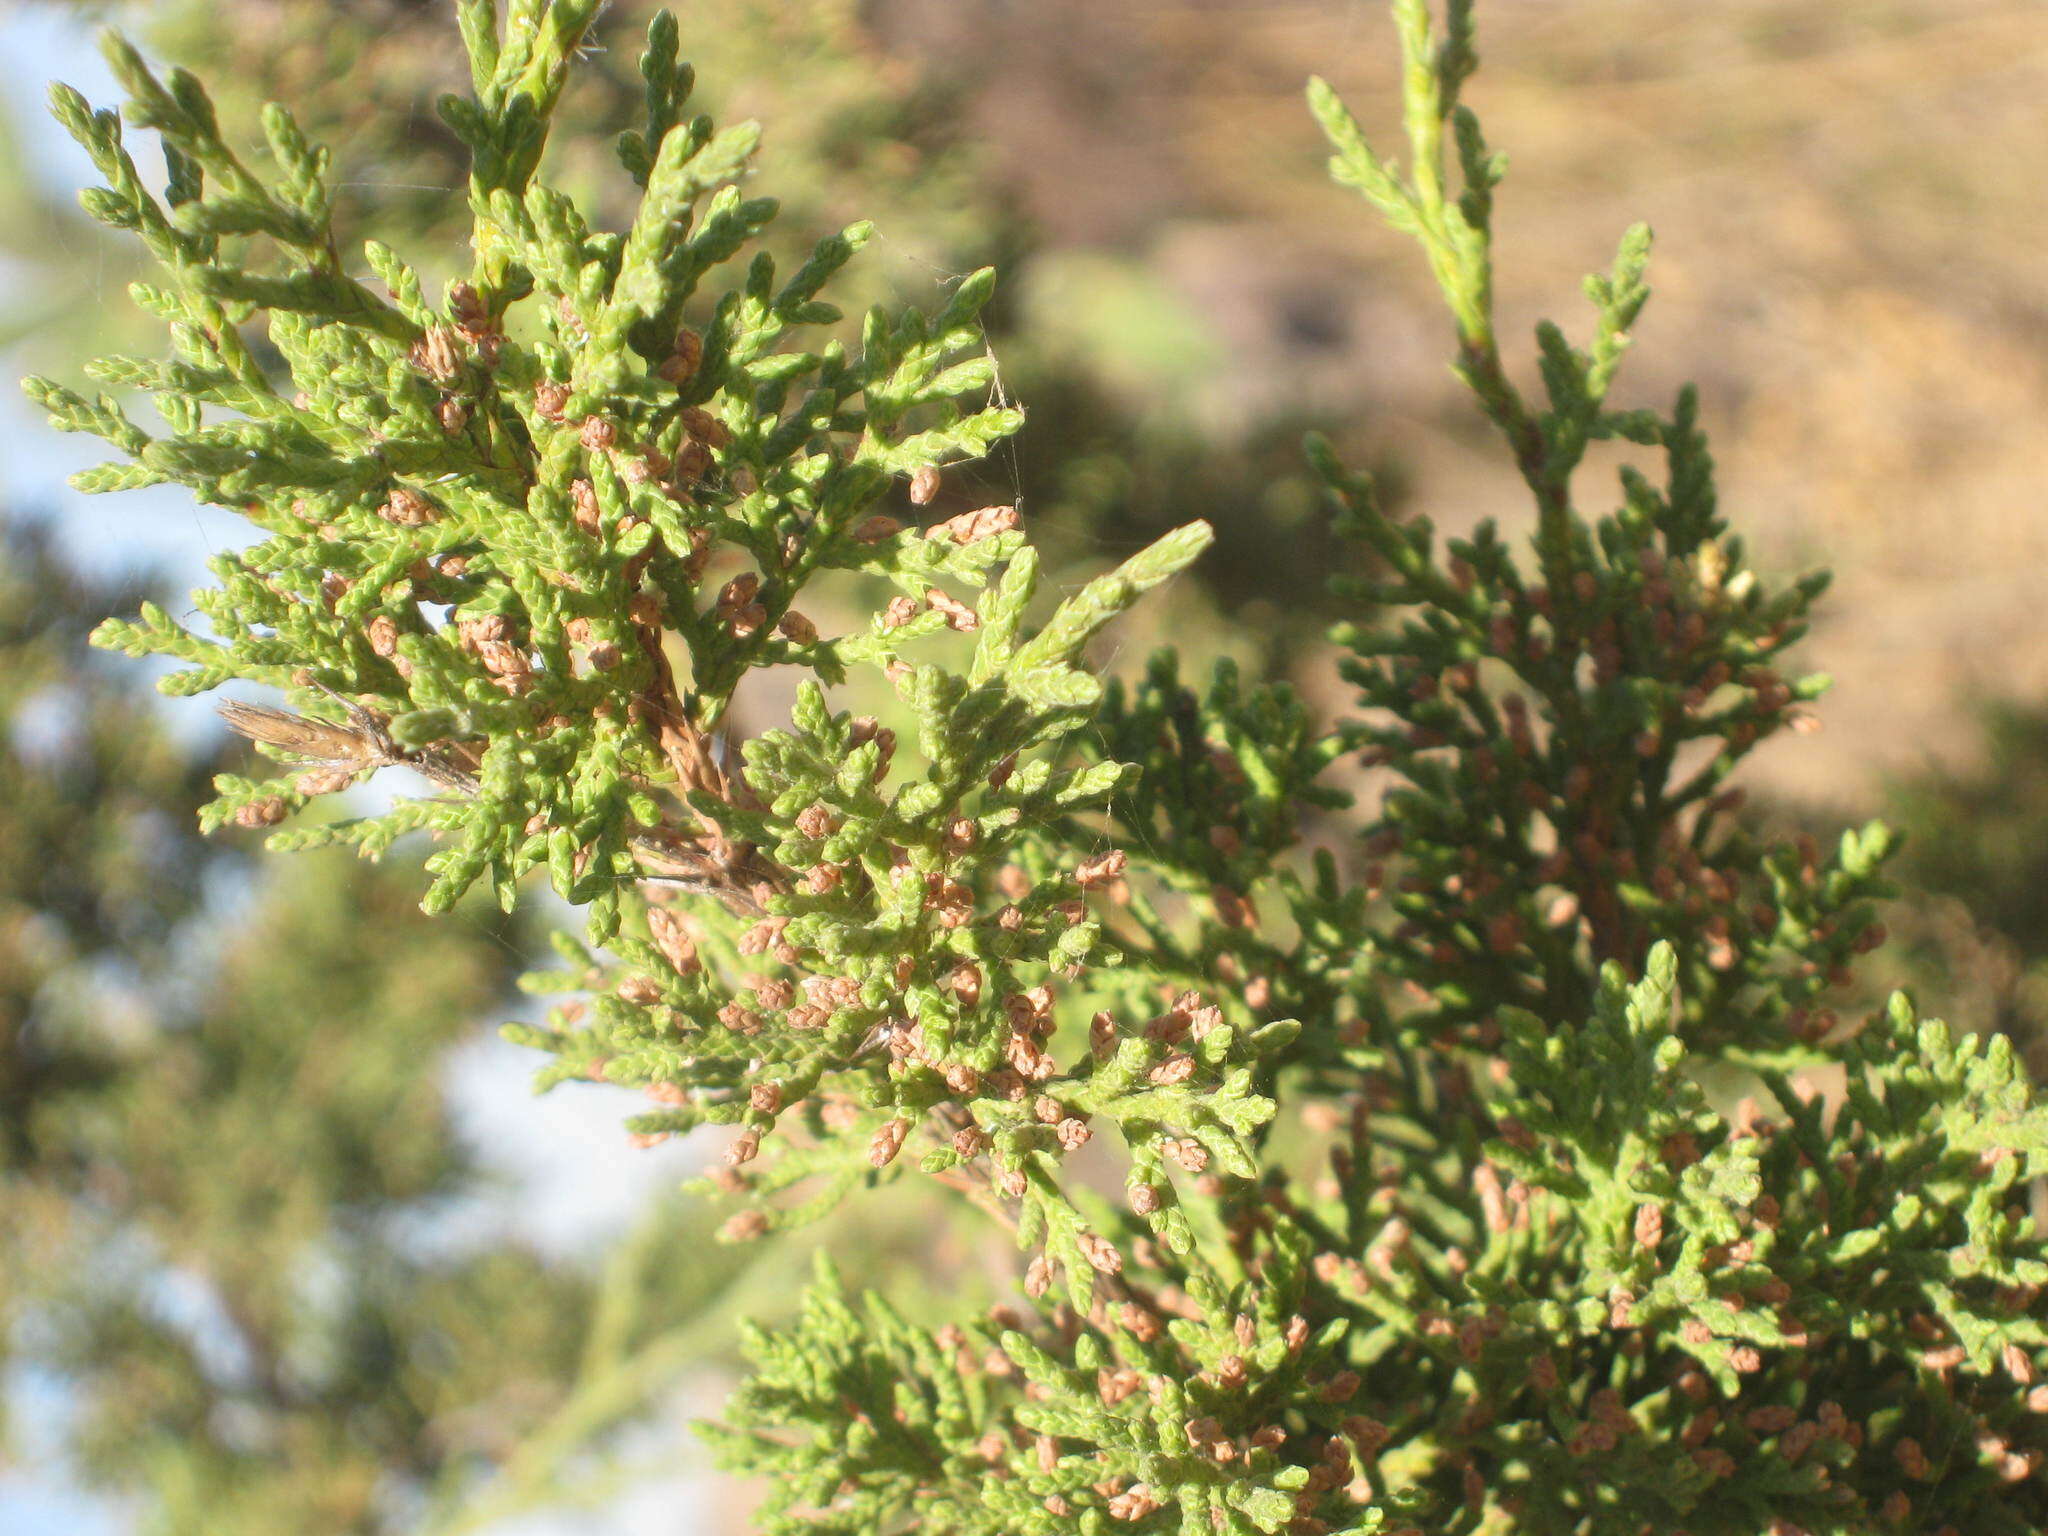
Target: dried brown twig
{"type": "Point", "coordinates": [701, 862]}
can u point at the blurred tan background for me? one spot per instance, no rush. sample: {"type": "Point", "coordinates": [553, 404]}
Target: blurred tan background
{"type": "Point", "coordinates": [1849, 262]}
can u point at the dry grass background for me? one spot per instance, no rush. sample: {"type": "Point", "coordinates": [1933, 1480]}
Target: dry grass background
{"type": "Point", "coordinates": [1850, 263]}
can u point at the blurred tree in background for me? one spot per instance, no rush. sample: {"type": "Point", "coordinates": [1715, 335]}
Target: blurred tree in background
{"type": "Point", "coordinates": [240, 1224]}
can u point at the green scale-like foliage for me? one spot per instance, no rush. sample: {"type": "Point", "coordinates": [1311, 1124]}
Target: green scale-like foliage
{"type": "Point", "coordinates": [1430, 1217]}
{"type": "Point", "coordinates": [491, 533]}
{"type": "Point", "coordinates": [1632, 1321]}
